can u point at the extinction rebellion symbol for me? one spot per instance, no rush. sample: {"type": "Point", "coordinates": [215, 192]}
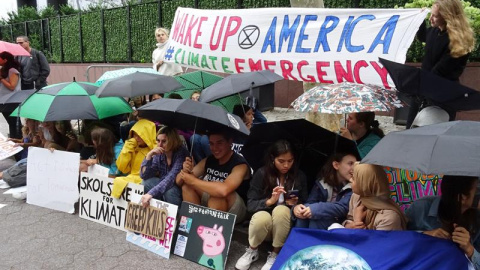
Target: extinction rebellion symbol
{"type": "Point", "coordinates": [248, 36]}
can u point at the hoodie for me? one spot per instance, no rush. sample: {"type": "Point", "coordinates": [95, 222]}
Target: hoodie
{"type": "Point", "coordinates": [132, 156]}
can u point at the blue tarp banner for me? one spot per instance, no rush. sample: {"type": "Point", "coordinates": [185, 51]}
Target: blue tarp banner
{"type": "Point", "coordinates": [368, 249]}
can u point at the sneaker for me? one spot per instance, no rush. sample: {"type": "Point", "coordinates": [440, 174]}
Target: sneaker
{"type": "Point", "coordinates": [20, 195]}
{"type": "Point", "coordinates": [247, 259]}
{"type": "Point", "coordinates": [272, 256]}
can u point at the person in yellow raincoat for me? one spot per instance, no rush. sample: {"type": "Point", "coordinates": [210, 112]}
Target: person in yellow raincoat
{"type": "Point", "coordinates": [141, 141]}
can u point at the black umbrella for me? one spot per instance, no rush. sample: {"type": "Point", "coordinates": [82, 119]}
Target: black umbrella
{"type": "Point", "coordinates": [10, 101]}
{"type": "Point", "coordinates": [451, 148]}
{"type": "Point", "coordinates": [192, 115]}
{"type": "Point", "coordinates": [412, 80]}
{"type": "Point", "coordinates": [137, 84]}
{"type": "Point", "coordinates": [313, 144]}
{"type": "Point", "coordinates": [237, 83]}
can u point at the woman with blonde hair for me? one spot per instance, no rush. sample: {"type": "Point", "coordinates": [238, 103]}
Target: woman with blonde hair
{"type": "Point", "coordinates": [158, 55]}
{"type": "Point", "coordinates": [370, 205]}
{"type": "Point", "coordinates": [448, 43]}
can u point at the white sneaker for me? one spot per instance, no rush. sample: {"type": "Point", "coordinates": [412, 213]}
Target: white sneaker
{"type": "Point", "coordinates": [272, 256]}
{"type": "Point", "coordinates": [247, 259]}
{"type": "Point", "coordinates": [20, 195]}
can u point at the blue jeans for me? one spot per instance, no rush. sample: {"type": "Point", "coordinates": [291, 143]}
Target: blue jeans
{"type": "Point", "coordinates": [200, 147]}
{"type": "Point", "coordinates": [173, 195]}
{"type": "Point", "coordinates": [314, 223]}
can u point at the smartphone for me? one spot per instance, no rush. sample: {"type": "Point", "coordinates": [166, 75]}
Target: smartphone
{"type": "Point", "coordinates": [292, 193]}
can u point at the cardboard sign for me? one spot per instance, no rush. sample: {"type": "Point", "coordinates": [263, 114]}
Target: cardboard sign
{"type": "Point", "coordinates": [204, 235]}
{"type": "Point", "coordinates": [150, 221]}
{"type": "Point", "coordinates": [160, 247]}
{"type": "Point", "coordinates": [52, 179]}
{"type": "Point", "coordinates": [96, 203]}
{"type": "Point", "coordinates": [302, 44]}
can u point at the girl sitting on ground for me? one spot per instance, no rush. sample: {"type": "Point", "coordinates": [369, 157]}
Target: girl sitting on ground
{"type": "Point", "coordinates": [30, 137]}
{"type": "Point", "coordinates": [453, 216]}
{"type": "Point", "coordinates": [161, 166]}
{"type": "Point", "coordinates": [364, 130]}
{"type": "Point", "coordinates": [371, 206]}
{"type": "Point", "coordinates": [274, 189]}
{"type": "Point", "coordinates": [107, 150]}
{"type": "Point", "coordinates": [330, 196]}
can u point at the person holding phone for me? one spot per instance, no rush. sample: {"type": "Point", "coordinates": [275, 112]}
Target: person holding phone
{"type": "Point", "coordinates": [328, 201]}
{"type": "Point", "coordinates": [274, 189]}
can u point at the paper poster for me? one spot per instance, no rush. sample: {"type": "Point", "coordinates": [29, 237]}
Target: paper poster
{"type": "Point", "coordinates": [204, 235]}
{"type": "Point", "coordinates": [97, 204]}
{"type": "Point", "coordinates": [52, 179]}
{"type": "Point", "coordinates": [8, 148]}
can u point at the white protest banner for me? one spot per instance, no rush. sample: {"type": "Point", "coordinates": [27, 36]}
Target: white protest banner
{"type": "Point", "coordinates": [97, 204]}
{"type": "Point", "coordinates": [8, 148]}
{"type": "Point", "coordinates": [311, 45]}
{"type": "Point", "coordinates": [52, 179]}
{"type": "Point", "coordinates": [98, 170]}
{"type": "Point", "coordinates": [159, 247]}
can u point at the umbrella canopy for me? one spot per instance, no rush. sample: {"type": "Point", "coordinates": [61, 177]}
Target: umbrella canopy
{"type": "Point", "coordinates": [346, 98]}
{"type": "Point", "coordinates": [313, 144]}
{"type": "Point", "coordinates": [10, 101]}
{"type": "Point", "coordinates": [237, 83]}
{"type": "Point", "coordinates": [451, 148]}
{"type": "Point", "coordinates": [112, 74]}
{"type": "Point", "coordinates": [68, 101]}
{"type": "Point", "coordinates": [137, 84]}
{"type": "Point", "coordinates": [412, 80]}
{"type": "Point", "coordinates": [191, 115]}
{"type": "Point", "coordinates": [198, 81]}
{"type": "Point", "coordinates": [14, 49]}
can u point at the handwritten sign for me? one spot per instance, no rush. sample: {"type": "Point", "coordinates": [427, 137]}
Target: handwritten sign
{"type": "Point", "coordinates": [52, 179]}
{"type": "Point", "coordinates": [311, 45]}
{"type": "Point", "coordinates": [162, 246]}
{"type": "Point", "coordinates": [8, 148]}
{"type": "Point", "coordinates": [97, 204]}
{"type": "Point", "coordinates": [150, 221]}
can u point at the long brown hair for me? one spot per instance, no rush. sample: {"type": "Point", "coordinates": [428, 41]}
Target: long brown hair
{"type": "Point", "coordinates": [449, 209]}
{"type": "Point", "coordinates": [271, 173]}
{"type": "Point", "coordinates": [104, 141]}
{"type": "Point", "coordinates": [329, 174]}
{"type": "Point", "coordinates": [11, 63]}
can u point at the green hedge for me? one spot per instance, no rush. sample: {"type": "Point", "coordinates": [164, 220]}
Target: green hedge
{"type": "Point", "coordinates": [71, 39]}
{"type": "Point", "coordinates": [116, 36]}
{"type": "Point", "coordinates": [92, 36]}
{"type": "Point", "coordinates": [144, 20]}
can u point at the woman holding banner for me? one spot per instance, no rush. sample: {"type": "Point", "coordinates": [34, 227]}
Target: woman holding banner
{"type": "Point", "coordinates": [158, 55]}
{"type": "Point", "coordinates": [330, 195]}
{"type": "Point", "coordinates": [161, 166]}
{"type": "Point", "coordinates": [448, 43]}
{"type": "Point", "coordinates": [370, 205]}
{"type": "Point", "coordinates": [274, 189]}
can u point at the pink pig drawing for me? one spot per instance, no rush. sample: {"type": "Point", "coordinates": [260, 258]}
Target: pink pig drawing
{"type": "Point", "coordinates": [213, 246]}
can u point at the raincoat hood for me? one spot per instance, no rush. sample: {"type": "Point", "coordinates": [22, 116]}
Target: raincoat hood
{"type": "Point", "coordinates": [146, 130]}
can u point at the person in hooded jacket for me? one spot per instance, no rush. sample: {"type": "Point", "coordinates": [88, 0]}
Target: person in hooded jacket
{"type": "Point", "coordinates": [141, 141]}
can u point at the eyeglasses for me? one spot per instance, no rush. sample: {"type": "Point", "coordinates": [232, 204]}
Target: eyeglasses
{"type": "Point", "coordinates": [20, 42]}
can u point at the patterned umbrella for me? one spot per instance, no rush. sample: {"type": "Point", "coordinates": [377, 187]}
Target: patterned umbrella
{"type": "Point", "coordinates": [112, 74]}
{"type": "Point", "coordinates": [347, 98]}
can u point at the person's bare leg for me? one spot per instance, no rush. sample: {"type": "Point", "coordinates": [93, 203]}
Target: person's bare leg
{"type": "Point", "coordinates": [190, 195]}
{"type": "Point", "coordinates": [218, 203]}
{"type": "Point", "coordinates": [1, 175]}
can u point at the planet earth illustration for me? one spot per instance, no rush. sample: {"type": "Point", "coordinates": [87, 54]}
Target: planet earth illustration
{"type": "Point", "coordinates": [325, 257]}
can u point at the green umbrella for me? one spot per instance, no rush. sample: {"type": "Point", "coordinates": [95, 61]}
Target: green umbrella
{"type": "Point", "coordinates": [68, 101]}
{"type": "Point", "coordinates": [198, 81]}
